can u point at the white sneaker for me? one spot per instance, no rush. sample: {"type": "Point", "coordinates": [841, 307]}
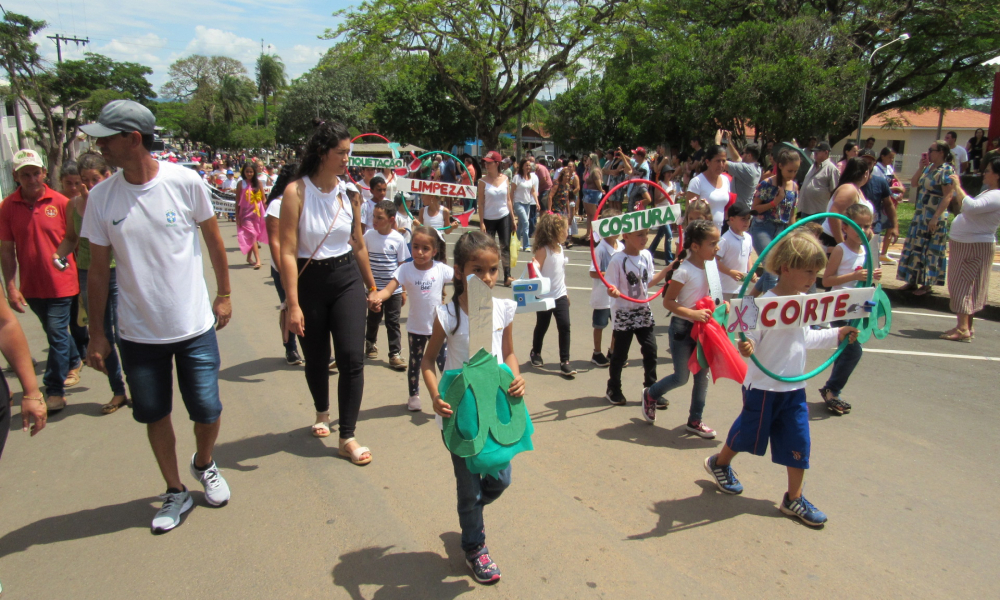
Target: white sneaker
{"type": "Point", "coordinates": [169, 515]}
{"type": "Point", "coordinates": [413, 403]}
{"type": "Point", "coordinates": [216, 488]}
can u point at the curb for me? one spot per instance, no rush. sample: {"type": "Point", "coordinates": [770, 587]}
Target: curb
{"type": "Point", "coordinates": [990, 312]}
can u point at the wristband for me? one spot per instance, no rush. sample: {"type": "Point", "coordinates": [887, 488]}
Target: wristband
{"type": "Point", "coordinates": [372, 288]}
{"type": "Point", "coordinates": [223, 295]}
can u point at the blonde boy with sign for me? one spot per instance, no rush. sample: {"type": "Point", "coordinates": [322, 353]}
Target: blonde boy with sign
{"type": "Point", "coordinates": [776, 410]}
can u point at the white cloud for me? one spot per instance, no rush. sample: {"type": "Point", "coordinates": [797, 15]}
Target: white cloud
{"type": "Point", "coordinates": [215, 42]}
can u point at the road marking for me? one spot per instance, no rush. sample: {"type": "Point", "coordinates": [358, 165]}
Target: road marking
{"type": "Point", "coordinates": [935, 354]}
{"type": "Point", "coordinates": [920, 314]}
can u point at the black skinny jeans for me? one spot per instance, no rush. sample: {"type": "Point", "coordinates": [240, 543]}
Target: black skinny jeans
{"type": "Point", "coordinates": [544, 318]}
{"type": "Point", "coordinates": [502, 228]}
{"type": "Point", "coordinates": [391, 309]}
{"type": "Point", "coordinates": [333, 302]}
{"type": "Point", "coordinates": [623, 341]}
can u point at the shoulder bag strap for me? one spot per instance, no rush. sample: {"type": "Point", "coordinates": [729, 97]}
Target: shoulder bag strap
{"type": "Point", "coordinates": [340, 205]}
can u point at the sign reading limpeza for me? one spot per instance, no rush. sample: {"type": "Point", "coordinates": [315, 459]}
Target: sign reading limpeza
{"type": "Point", "coordinates": [375, 162]}
{"type": "Point", "coordinates": [434, 188]}
{"type": "Point", "coordinates": [636, 221]}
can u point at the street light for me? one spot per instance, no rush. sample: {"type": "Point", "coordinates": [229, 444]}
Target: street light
{"type": "Point", "coordinates": [864, 88]}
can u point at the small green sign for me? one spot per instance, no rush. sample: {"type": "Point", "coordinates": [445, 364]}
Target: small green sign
{"type": "Point", "coordinates": [376, 162]}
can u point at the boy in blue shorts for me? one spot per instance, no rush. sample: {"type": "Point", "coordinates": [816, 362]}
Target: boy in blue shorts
{"type": "Point", "coordinates": [776, 410]}
{"type": "Point", "coordinates": [599, 299]}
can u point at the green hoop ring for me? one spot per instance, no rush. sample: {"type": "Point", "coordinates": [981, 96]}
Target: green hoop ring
{"type": "Point", "coordinates": [854, 323]}
{"type": "Point", "coordinates": [458, 160]}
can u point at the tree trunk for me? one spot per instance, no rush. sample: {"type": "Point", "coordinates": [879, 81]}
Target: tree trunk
{"type": "Point", "coordinates": [17, 123]}
{"type": "Point", "coordinates": [264, 96]}
{"type": "Point", "coordinates": [492, 138]}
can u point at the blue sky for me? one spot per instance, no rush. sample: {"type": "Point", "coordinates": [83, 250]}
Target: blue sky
{"type": "Point", "coordinates": [158, 33]}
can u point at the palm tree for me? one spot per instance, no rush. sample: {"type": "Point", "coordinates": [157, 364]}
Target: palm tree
{"type": "Point", "coordinates": [270, 78]}
{"type": "Point", "coordinates": [236, 96]}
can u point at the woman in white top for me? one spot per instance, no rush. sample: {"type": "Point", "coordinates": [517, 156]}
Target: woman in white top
{"type": "Point", "coordinates": [495, 208]}
{"type": "Point", "coordinates": [856, 174]}
{"type": "Point", "coordinates": [325, 272]}
{"type": "Point", "coordinates": [971, 246]}
{"type": "Point", "coordinates": [523, 195]}
{"type": "Point", "coordinates": [711, 185]}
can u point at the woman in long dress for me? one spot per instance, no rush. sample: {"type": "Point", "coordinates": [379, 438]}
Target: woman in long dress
{"type": "Point", "coordinates": [251, 229]}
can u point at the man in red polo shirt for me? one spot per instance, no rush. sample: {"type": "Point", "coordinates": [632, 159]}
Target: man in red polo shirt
{"type": "Point", "coordinates": [33, 220]}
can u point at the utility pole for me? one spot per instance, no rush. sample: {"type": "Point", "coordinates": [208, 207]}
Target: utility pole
{"type": "Point", "coordinates": [61, 39]}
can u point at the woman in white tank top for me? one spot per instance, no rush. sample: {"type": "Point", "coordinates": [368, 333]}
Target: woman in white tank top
{"type": "Point", "coordinates": [495, 208]}
{"type": "Point", "coordinates": [327, 279]}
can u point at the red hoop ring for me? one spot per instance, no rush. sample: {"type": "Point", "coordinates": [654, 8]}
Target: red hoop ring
{"type": "Point", "coordinates": [593, 255]}
{"type": "Point", "coordinates": [361, 135]}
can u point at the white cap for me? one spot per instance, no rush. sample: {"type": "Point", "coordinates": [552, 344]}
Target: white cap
{"type": "Point", "coordinates": [27, 158]}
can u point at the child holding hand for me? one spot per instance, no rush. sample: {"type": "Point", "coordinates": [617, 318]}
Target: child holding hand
{"type": "Point", "coordinates": [773, 410]}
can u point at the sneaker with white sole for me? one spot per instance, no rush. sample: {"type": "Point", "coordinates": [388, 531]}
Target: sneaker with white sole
{"type": "Point", "coordinates": [536, 359]}
{"type": "Point", "coordinates": [615, 397]}
{"type": "Point", "coordinates": [174, 505]}
{"type": "Point", "coordinates": [600, 360]}
{"type": "Point", "coordinates": [724, 476]}
{"type": "Point", "coordinates": [567, 370]}
{"type": "Point", "coordinates": [648, 406]}
{"type": "Point", "coordinates": [700, 429]}
{"type": "Point", "coordinates": [216, 488]}
{"type": "Point", "coordinates": [804, 510]}
{"type": "Point", "coordinates": [413, 403]}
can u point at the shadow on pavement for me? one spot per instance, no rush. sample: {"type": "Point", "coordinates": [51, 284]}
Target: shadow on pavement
{"type": "Point", "coordinates": [390, 411]}
{"type": "Point", "coordinates": [558, 410]}
{"type": "Point", "coordinates": [299, 442]}
{"type": "Point", "coordinates": [918, 334]}
{"type": "Point", "coordinates": [87, 523]}
{"type": "Point", "coordinates": [403, 575]}
{"type": "Point", "coordinates": [710, 506]}
{"type": "Point", "coordinates": [818, 411]}
{"type": "Point", "coordinates": [637, 431]}
{"type": "Point", "coordinates": [242, 372]}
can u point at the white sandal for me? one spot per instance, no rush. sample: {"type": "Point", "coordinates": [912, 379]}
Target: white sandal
{"type": "Point", "coordinates": [355, 455]}
{"type": "Point", "coordinates": [321, 429]}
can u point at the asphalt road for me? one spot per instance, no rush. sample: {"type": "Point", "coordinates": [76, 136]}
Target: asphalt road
{"type": "Point", "coordinates": [606, 506]}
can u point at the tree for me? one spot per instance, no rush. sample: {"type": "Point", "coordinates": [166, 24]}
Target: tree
{"type": "Point", "coordinates": [196, 72]}
{"type": "Point", "coordinates": [235, 97]}
{"type": "Point", "coordinates": [516, 47]}
{"type": "Point", "coordinates": [270, 78]}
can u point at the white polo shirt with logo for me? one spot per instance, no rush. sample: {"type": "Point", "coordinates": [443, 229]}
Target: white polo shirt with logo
{"type": "Point", "coordinates": [153, 229]}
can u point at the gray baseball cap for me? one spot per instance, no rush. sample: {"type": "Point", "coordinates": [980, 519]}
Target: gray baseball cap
{"type": "Point", "coordinates": [121, 116]}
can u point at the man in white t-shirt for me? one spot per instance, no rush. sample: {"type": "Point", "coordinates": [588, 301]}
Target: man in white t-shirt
{"type": "Point", "coordinates": [960, 157]}
{"type": "Point", "coordinates": [149, 214]}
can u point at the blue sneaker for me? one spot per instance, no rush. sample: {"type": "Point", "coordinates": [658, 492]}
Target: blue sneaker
{"type": "Point", "coordinates": [484, 570]}
{"type": "Point", "coordinates": [804, 510]}
{"type": "Point", "coordinates": [724, 477]}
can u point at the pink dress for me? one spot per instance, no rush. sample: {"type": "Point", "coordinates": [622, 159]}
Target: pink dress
{"type": "Point", "coordinates": [251, 226]}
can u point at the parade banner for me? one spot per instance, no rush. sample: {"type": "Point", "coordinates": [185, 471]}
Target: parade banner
{"type": "Point", "coordinates": [376, 162]}
{"type": "Point", "coordinates": [635, 221]}
{"type": "Point", "coordinates": [786, 312]}
{"type": "Point", "coordinates": [434, 188]}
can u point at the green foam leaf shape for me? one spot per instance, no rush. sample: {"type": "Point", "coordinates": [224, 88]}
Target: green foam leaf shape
{"type": "Point", "coordinates": [868, 326]}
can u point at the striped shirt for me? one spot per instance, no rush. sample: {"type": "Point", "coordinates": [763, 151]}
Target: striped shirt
{"type": "Point", "coordinates": [385, 254]}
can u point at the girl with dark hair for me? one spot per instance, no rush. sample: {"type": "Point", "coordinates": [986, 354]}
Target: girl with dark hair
{"type": "Point", "coordinates": [774, 204]}
{"type": "Point", "coordinates": [475, 254]}
{"type": "Point", "coordinates": [325, 273]}
{"type": "Point", "coordinates": [250, 208]}
{"type": "Point", "coordinates": [712, 185]}
{"type": "Point", "coordinates": [688, 283]}
{"type": "Point", "coordinates": [850, 151]}
{"type": "Point", "coordinates": [93, 169]}
{"type": "Point", "coordinates": [976, 147]}
{"type": "Point", "coordinates": [923, 262]}
{"type": "Point", "coordinates": [856, 174]}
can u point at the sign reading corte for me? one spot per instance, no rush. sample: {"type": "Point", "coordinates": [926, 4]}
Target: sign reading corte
{"type": "Point", "coordinates": [635, 221]}
{"type": "Point", "coordinates": [785, 312]}
{"type": "Point", "coordinates": [434, 188]}
{"type": "Point", "coordinates": [375, 162]}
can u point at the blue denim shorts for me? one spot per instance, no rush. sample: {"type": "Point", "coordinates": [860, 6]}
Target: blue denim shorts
{"type": "Point", "coordinates": [602, 316]}
{"type": "Point", "coordinates": [779, 417]}
{"type": "Point", "coordinates": [592, 196]}
{"type": "Point", "coordinates": [149, 374]}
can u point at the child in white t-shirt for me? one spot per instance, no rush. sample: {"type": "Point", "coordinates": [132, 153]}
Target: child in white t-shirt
{"type": "Point", "coordinates": [599, 299]}
{"type": "Point", "coordinates": [734, 251]}
{"type": "Point", "coordinates": [551, 260]}
{"type": "Point", "coordinates": [688, 284]}
{"type": "Point", "coordinates": [386, 251]}
{"type": "Point", "coordinates": [423, 279]}
{"type": "Point", "coordinates": [630, 273]}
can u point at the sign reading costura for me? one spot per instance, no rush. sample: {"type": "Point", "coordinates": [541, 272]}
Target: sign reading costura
{"type": "Point", "coordinates": [636, 221]}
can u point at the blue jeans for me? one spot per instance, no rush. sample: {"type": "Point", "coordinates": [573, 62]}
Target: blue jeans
{"type": "Point", "coordinates": [532, 220]}
{"type": "Point", "coordinates": [761, 234]}
{"type": "Point", "coordinates": [523, 223]}
{"type": "Point", "coordinates": [111, 363]}
{"type": "Point", "coordinates": [149, 369]}
{"type": "Point", "coordinates": [475, 492]}
{"type": "Point", "coordinates": [63, 354]}
{"type": "Point", "coordinates": [844, 365]}
{"type": "Point", "coordinates": [664, 232]}
{"type": "Point", "coordinates": [682, 346]}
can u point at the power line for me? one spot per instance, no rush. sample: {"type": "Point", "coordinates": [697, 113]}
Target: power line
{"type": "Point", "coordinates": [61, 39]}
